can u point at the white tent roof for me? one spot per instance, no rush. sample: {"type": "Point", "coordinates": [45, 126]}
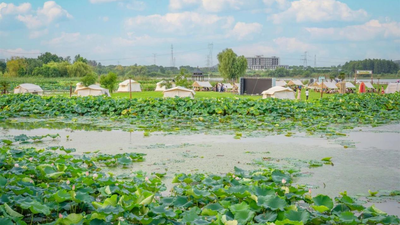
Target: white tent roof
{"type": "Point", "coordinates": [180, 89]}
{"type": "Point", "coordinates": [392, 88]}
{"type": "Point", "coordinates": [280, 83]}
{"type": "Point", "coordinates": [350, 85]}
{"type": "Point", "coordinates": [31, 87]}
{"type": "Point", "coordinates": [368, 85]}
{"type": "Point", "coordinates": [279, 92]}
{"type": "Point", "coordinates": [272, 90]}
{"type": "Point", "coordinates": [295, 82]}
{"type": "Point", "coordinates": [228, 85]}
{"type": "Point", "coordinates": [94, 87]}
{"type": "Point", "coordinates": [126, 82]}
{"type": "Point", "coordinates": [202, 84]}
{"type": "Point", "coordinates": [330, 85]}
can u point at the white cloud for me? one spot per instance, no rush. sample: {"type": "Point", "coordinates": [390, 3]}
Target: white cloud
{"type": "Point", "coordinates": [245, 30]}
{"type": "Point", "coordinates": [65, 38]}
{"type": "Point", "coordinates": [210, 5]}
{"type": "Point", "coordinates": [370, 30]}
{"type": "Point", "coordinates": [282, 4]}
{"type": "Point", "coordinates": [11, 9]}
{"type": "Point", "coordinates": [38, 33]}
{"type": "Point", "coordinates": [260, 48]}
{"type": "Point", "coordinates": [292, 45]}
{"type": "Point", "coordinates": [182, 23]}
{"type": "Point", "coordinates": [134, 40]}
{"type": "Point", "coordinates": [101, 1]}
{"type": "Point", "coordinates": [318, 11]}
{"type": "Point", "coordinates": [135, 5]}
{"type": "Point", "coordinates": [44, 16]}
{"type": "Point", "coordinates": [179, 4]}
{"type": "Point", "coordinates": [8, 53]}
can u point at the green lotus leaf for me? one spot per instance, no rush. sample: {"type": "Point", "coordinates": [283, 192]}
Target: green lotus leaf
{"type": "Point", "coordinates": [300, 215]}
{"type": "Point", "coordinates": [272, 202]}
{"type": "Point", "coordinates": [266, 217]}
{"type": "Point", "coordinates": [37, 207]}
{"type": "Point", "coordinates": [348, 218]}
{"type": "Point", "coordinates": [11, 212]}
{"type": "Point", "coordinates": [62, 196]}
{"type": "Point", "coordinates": [278, 176]}
{"type": "Point", "coordinates": [323, 200]}
{"type": "Point", "coordinates": [191, 215]}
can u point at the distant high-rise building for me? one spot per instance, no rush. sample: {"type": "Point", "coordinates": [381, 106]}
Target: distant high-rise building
{"type": "Point", "coordinates": [262, 63]}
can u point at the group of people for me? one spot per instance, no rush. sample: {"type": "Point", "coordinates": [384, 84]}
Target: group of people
{"type": "Point", "coordinates": [220, 87]}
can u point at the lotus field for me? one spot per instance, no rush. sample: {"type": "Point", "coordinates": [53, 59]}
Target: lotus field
{"type": "Point", "coordinates": [58, 185]}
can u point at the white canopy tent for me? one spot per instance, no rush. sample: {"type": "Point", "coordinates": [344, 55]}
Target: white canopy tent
{"type": "Point", "coordinates": [368, 85]}
{"type": "Point", "coordinates": [179, 92]}
{"type": "Point", "coordinates": [160, 86]}
{"type": "Point", "coordinates": [315, 85]}
{"type": "Point", "coordinates": [329, 85]}
{"type": "Point", "coordinates": [92, 90]}
{"type": "Point", "coordinates": [279, 92]}
{"type": "Point", "coordinates": [28, 88]}
{"type": "Point", "coordinates": [350, 85]}
{"type": "Point", "coordinates": [202, 84]}
{"type": "Point", "coordinates": [281, 83]}
{"type": "Point", "coordinates": [392, 88]}
{"type": "Point", "coordinates": [124, 86]}
{"type": "Point", "coordinates": [228, 86]}
{"type": "Point", "coordinates": [295, 82]}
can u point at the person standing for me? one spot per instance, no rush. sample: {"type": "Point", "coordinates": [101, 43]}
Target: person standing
{"type": "Point", "coordinates": [306, 94]}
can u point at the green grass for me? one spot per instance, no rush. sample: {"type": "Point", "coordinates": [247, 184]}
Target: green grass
{"type": "Point", "coordinates": [199, 94]}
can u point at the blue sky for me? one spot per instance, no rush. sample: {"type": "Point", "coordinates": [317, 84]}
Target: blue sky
{"type": "Point", "coordinates": [131, 31]}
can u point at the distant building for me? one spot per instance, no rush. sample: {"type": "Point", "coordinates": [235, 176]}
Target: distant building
{"type": "Point", "coordinates": [264, 63]}
{"type": "Point", "coordinates": [197, 75]}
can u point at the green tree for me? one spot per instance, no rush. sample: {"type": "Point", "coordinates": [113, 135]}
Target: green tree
{"type": "Point", "coordinates": [4, 85]}
{"type": "Point", "coordinates": [89, 79]}
{"type": "Point", "coordinates": [79, 69]}
{"type": "Point", "coordinates": [48, 57]}
{"type": "Point", "coordinates": [79, 58]}
{"type": "Point", "coordinates": [182, 79]}
{"type": "Point", "coordinates": [3, 66]}
{"type": "Point", "coordinates": [342, 76]}
{"type": "Point", "coordinates": [16, 66]}
{"type": "Point", "coordinates": [109, 81]}
{"type": "Point", "coordinates": [230, 66]}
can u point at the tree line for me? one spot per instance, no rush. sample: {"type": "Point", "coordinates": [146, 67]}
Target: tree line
{"type": "Point", "coordinates": [378, 66]}
{"type": "Point", "coordinates": [52, 65]}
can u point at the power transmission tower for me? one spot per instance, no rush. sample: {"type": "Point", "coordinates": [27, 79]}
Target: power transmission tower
{"type": "Point", "coordinates": [315, 61]}
{"type": "Point", "coordinates": [155, 58]}
{"type": "Point", "coordinates": [305, 60]}
{"type": "Point", "coordinates": [172, 56]}
{"type": "Point", "coordinates": [210, 55]}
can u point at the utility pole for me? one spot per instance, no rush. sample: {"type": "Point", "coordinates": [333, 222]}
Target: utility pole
{"type": "Point", "coordinates": [210, 54]}
{"type": "Point", "coordinates": [172, 56]}
{"type": "Point", "coordinates": [315, 61]}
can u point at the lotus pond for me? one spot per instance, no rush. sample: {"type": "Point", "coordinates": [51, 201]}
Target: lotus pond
{"type": "Point", "coordinates": [266, 165]}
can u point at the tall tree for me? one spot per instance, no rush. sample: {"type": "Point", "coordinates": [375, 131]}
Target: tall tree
{"type": "Point", "coordinates": [230, 66]}
{"type": "Point", "coordinates": [16, 66]}
{"type": "Point", "coordinates": [109, 81]}
{"type": "Point", "coordinates": [48, 57]}
{"type": "Point", "coordinates": [89, 79]}
{"type": "Point", "coordinates": [79, 69]}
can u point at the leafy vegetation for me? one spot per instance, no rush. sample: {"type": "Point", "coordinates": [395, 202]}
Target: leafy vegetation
{"type": "Point", "coordinates": [328, 115]}
{"type": "Point", "coordinates": [42, 186]}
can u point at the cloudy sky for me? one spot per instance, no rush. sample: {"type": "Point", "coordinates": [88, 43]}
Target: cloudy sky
{"type": "Point", "coordinates": [133, 31]}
